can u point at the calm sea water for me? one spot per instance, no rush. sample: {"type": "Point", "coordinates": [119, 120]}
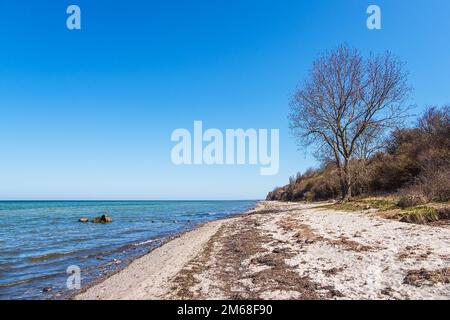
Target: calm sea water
{"type": "Point", "coordinates": [40, 239]}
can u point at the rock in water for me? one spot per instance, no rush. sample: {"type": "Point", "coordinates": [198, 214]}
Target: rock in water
{"type": "Point", "coordinates": [103, 219]}
{"type": "Point", "coordinates": [83, 220]}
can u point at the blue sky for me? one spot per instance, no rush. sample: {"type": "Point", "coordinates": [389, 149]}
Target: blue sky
{"type": "Point", "coordinates": [88, 114]}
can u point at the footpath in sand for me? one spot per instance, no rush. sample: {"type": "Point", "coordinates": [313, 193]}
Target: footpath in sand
{"type": "Point", "coordinates": [291, 251]}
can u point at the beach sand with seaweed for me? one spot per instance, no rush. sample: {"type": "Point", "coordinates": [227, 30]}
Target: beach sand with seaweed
{"type": "Point", "coordinates": [291, 251]}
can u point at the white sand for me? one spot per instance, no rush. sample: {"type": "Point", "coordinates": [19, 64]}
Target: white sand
{"type": "Point", "coordinates": [397, 248]}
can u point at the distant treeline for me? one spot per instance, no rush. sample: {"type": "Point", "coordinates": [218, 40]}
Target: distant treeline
{"type": "Point", "coordinates": [414, 161]}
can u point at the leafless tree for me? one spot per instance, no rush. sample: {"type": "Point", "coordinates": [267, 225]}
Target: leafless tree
{"type": "Point", "coordinates": [346, 104]}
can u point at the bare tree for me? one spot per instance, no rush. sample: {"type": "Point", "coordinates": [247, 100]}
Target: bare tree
{"type": "Point", "coordinates": [346, 104]}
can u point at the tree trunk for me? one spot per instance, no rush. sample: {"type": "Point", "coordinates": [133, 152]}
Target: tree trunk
{"type": "Point", "coordinates": [346, 183]}
{"type": "Point", "coordinates": [344, 178]}
{"type": "Point", "coordinates": [347, 194]}
{"type": "Point", "coordinates": [343, 186]}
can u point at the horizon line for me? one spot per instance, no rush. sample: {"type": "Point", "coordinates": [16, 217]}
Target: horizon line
{"type": "Point", "coordinates": [86, 200]}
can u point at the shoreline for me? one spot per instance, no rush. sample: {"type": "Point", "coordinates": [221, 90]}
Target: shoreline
{"type": "Point", "coordinates": [100, 279]}
{"type": "Point", "coordinates": [289, 251]}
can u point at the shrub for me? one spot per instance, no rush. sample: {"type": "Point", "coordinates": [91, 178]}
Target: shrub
{"type": "Point", "coordinates": [414, 162]}
{"type": "Point", "coordinates": [310, 196]}
{"type": "Point", "coordinates": [420, 215]}
{"type": "Point", "coordinates": [411, 200]}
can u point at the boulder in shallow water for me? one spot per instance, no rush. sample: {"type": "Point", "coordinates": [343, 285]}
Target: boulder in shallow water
{"type": "Point", "coordinates": [103, 219]}
{"type": "Point", "coordinates": [83, 220]}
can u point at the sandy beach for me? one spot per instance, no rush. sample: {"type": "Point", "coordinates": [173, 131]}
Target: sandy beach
{"type": "Point", "coordinates": [291, 251]}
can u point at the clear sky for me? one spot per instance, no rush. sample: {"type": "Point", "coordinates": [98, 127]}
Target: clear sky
{"type": "Point", "coordinates": [88, 114]}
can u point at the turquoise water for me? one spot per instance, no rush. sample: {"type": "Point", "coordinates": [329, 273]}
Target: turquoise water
{"type": "Point", "coordinates": [40, 239]}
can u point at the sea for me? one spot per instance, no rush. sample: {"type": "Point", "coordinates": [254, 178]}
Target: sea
{"type": "Point", "coordinates": [42, 242]}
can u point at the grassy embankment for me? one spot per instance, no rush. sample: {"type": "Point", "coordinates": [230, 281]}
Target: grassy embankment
{"type": "Point", "coordinates": [390, 208]}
